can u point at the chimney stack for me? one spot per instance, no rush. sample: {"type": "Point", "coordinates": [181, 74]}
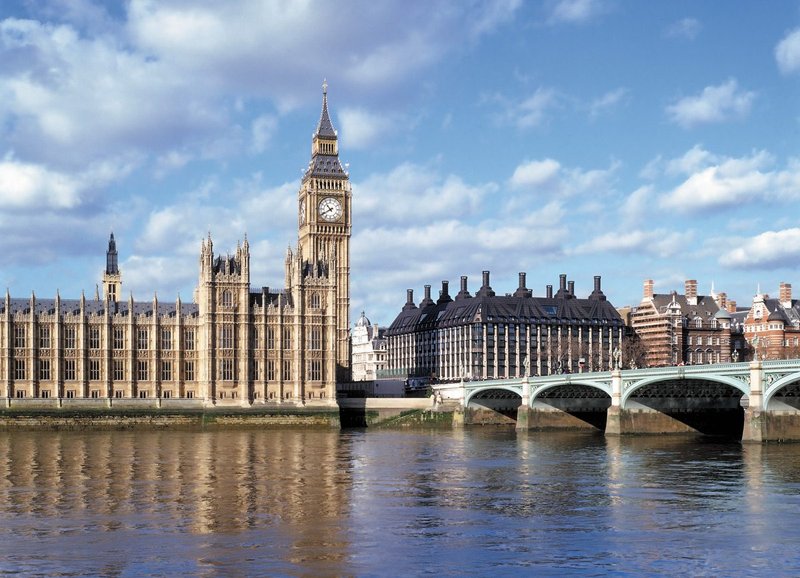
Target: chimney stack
{"type": "Point", "coordinates": [722, 301]}
{"type": "Point", "coordinates": [648, 289]}
{"type": "Point", "coordinates": [522, 290]}
{"type": "Point", "coordinates": [732, 306]}
{"type": "Point", "coordinates": [485, 290]}
{"type": "Point", "coordinates": [690, 290]}
{"type": "Point", "coordinates": [444, 295]}
{"type": "Point", "coordinates": [464, 293]}
{"type": "Point", "coordinates": [549, 291]}
{"type": "Point", "coordinates": [409, 300]}
{"type": "Point", "coordinates": [597, 294]}
{"type": "Point", "coordinates": [571, 288]}
{"type": "Point", "coordinates": [785, 295]}
{"type": "Point", "coordinates": [427, 300]}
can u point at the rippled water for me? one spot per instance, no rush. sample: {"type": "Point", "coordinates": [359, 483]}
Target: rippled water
{"type": "Point", "coordinates": [480, 501]}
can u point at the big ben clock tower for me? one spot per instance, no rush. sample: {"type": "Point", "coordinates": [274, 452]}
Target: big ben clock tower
{"type": "Point", "coordinates": [324, 216]}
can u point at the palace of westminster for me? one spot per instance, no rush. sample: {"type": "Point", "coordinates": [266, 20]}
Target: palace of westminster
{"type": "Point", "coordinates": [240, 346]}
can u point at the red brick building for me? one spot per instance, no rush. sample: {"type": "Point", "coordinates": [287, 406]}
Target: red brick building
{"type": "Point", "coordinates": [772, 326]}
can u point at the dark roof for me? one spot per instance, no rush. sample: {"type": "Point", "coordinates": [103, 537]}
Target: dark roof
{"type": "Point", "coordinates": [325, 126]}
{"type": "Point", "coordinates": [777, 311]}
{"type": "Point", "coordinates": [94, 307]}
{"type": "Point", "coordinates": [705, 308]}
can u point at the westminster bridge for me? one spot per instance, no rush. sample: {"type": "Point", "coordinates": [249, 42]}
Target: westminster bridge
{"type": "Point", "coordinates": [758, 400]}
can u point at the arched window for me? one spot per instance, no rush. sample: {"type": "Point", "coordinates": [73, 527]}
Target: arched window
{"type": "Point", "coordinates": [227, 299]}
{"type": "Point", "coordinates": [315, 301]}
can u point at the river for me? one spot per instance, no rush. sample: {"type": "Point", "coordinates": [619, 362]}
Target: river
{"type": "Point", "coordinates": [480, 501]}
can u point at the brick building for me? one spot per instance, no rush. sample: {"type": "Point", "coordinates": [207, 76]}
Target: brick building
{"type": "Point", "coordinates": [772, 326]}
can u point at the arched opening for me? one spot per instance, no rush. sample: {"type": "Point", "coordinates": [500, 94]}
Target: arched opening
{"type": "Point", "coordinates": [494, 406]}
{"type": "Point", "coordinates": [586, 404]}
{"type": "Point", "coordinates": [786, 398]}
{"type": "Point", "coordinates": [704, 406]}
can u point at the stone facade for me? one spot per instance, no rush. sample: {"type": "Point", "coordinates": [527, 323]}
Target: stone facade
{"type": "Point", "coordinates": [235, 345]}
{"type": "Point", "coordinates": [369, 350]}
{"type": "Point", "coordinates": [686, 328]}
{"type": "Point", "coordinates": [489, 336]}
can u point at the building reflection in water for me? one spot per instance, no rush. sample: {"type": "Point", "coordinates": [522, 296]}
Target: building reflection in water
{"type": "Point", "coordinates": [289, 484]}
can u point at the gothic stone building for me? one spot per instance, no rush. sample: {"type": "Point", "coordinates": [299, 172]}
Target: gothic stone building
{"type": "Point", "coordinates": [684, 328]}
{"type": "Point", "coordinates": [490, 336]}
{"type": "Point", "coordinates": [234, 345]}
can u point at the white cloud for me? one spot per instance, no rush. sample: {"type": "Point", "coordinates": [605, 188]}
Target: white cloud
{"type": "Point", "coordinates": [770, 249]}
{"type": "Point", "coordinates": [607, 101]}
{"type": "Point", "coordinates": [714, 104]}
{"type": "Point", "coordinates": [662, 243]}
{"type": "Point", "coordinates": [725, 184]}
{"type": "Point", "coordinates": [531, 111]}
{"type": "Point", "coordinates": [362, 129]}
{"type": "Point", "coordinates": [575, 11]}
{"type": "Point", "coordinates": [262, 131]}
{"type": "Point", "coordinates": [787, 52]}
{"type": "Point", "coordinates": [636, 206]}
{"type": "Point", "coordinates": [535, 174]}
{"type": "Point", "coordinates": [687, 28]}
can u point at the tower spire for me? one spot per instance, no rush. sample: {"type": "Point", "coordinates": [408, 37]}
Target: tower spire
{"type": "Point", "coordinates": [112, 278]}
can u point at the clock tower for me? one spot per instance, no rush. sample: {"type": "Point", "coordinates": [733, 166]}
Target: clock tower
{"type": "Point", "coordinates": [324, 220]}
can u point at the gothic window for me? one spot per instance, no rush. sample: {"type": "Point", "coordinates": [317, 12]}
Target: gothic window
{"type": "Point", "coordinates": [227, 370]}
{"type": "Point", "coordinates": [255, 337]}
{"type": "Point", "coordinates": [226, 338]}
{"type": "Point", "coordinates": [189, 339]}
{"type": "Point", "coordinates": [287, 370]}
{"type": "Point", "coordinates": [94, 338]}
{"type": "Point", "coordinates": [315, 338]}
{"type": "Point", "coordinates": [315, 370]}
{"type": "Point", "coordinates": [94, 369]}
{"type": "Point", "coordinates": [143, 371]}
{"type": "Point", "coordinates": [19, 336]}
{"type": "Point", "coordinates": [166, 371]}
{"type": "Point", "coordinates": [271, 370]}
{"type": "Point", "coordinates": [166, 339]}
{"type": "Point", "coordinates": [69, 369]}
{"type": "Point", "coordinates": [19, 369]}
{"type": "Point", "coordinates": [188, 370]}
{"type": "Point", "coordinates": [270, 338]}
{"type": "Point", "coordinates": [141, 339]}
{"type": "Point", "coordinates": [315, 301]}
{"type": "Point", "coordinates": [287, 338]}
{"type": "Point", "coordinates": [69, 338]}
{"type": "Point", "coordinates": [44, 370]}
{"type": "Point", "coordinates": [255, 370]}
{"type": "Point", "coordinates": [227, 299]}
{"type": "Point", "coordinates": [119, 370]}
{"type": "Point", "coordinates": [119, 338]}
{"type": "Point", "coordinates": [44, 338]}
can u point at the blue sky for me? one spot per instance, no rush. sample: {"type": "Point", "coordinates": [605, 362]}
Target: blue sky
{"type": "Point", "coordinates": [626, 139]}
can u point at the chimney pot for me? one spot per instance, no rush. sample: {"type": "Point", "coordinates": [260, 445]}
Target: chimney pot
{"type": "Point", "coordinates": [648, 289]}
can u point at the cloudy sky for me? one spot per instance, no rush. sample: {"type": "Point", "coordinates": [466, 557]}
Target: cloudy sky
{"type": "Point", "coordinates": [620, 138]}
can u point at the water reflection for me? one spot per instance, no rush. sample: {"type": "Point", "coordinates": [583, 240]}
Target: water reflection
{"type": "Point", "coordinates": [471, 501]}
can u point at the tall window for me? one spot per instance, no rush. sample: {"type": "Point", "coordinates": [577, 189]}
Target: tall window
{"type": "Point", "coordinates": [188, 370]}
{"type": "Point", "coordinates": [69, 369]}
{"type": "Point", "coordinates": [227, 370]}
{"type": "Point", "coordinates": [227, 299]}
{"type": "Point", "coordinates": [271, 369]}
{"type": "Point", "coordinates": [287, 337]}
{"type": "Point", "coordinates": [166, 371]}
{"type": "Point", "coordinates": [142, 373]}
{"type": "Point", "coordinates": [94, 369]}
{"type": "Point", "coordinates": [19, 369]}
{"type": "Point", "coordinates": [315, 301]}
{"type": "Point", "coordinates": [44, 370]}
{"type": "Point", "coordinates": [69, 338]}
{"type": "Point", "coordinates": [270, 338]}
{"type": "Point", "coordinates": [119, 338]}
{"type": "Point", "coordinates": [119, 370]}
{"type": "Point", "coordinates": [315, 338]}
{"type": "Point", "coordinates": [226, 341]}
{"type": "Point", "coordinates": [256, 367]}
{"type": "Point", "coordinates": [188, 338]}
{"type": "Point", "coordinates": [19, 336]}
{"type": "Point", "coordinates": [287, 370]}
{"type": "Point", "coordinates": [44, 338]}
{"type": "Point", "coordinates": [141, 339]}
{"type": "Point", "coordinates": [166, 339]}
{"type": "Point", "coordinates": [315, 373]}
{"type": "Point", "coordinates": [94, 338]}
{"type": "Point", "coordinates": [255, 337]}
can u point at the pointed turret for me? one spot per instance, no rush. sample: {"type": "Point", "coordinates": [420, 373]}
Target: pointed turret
{"type": "Point", "coordinates": [325, 146]}
{"type": "Point", "coordinates": [112, 278]}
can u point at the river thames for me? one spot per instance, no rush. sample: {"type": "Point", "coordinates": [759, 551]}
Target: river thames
{"type": "Point", "coordinates": [479, 501]}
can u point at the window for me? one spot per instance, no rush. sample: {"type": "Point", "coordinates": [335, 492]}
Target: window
{"type": "Point", "coordinates": [256, 368]}
{"type": "Point", "coordinates": [44, 394]}
{"type": "Point", "coordinates": [287, 338]}
{"type": "Point", "coordinates": [270, 338]}
{"type": "Point", "coordinates": [69, 370]}
{"type": "Point", "coordinates": [255, 337]}
{"type": "Point", "coordinates": [190, 395]}
{"type": "Point", "coordinates": [19, 369]}
{"type": "Point", "coordinates": [315, 301]}
{"type": "Point", "coordinates": [141, 339]}
{"type": "Point", "coordinates": [315, 373]}
{"type": "Point", "coordinates": [94, 369]}
{"type": "Point", "coordinates": [119, 370]}
{"type": "Point", "coordinates": [316, 338]}
{"type": "Point", "coordinates": [271, 369]}
{"type": "Point", "coordinates": [166, 394]}
{"type": "Point", "coordinates": [118, 393]}
{"type": "Point", "coordinates": [119, 338]}
{"type": "Point", "coordinates": [188, 370]}
{"type": "Point", "coordinates": [70, 393]}
{"type": "Point", "coordinates": [44, 370]}
{"type": "Point", "coordinates": [166, 339]}
{"type": "Point", "coordinates": [166, 371]}
{"type": "Point", "coordinates": [20, 393]}
{"type": "Point", "coordinates": [142, 394]}
{"type": "Point", "coordinates": [69, 338]}
{"type": "Point", "coordinates": [143, 370]}
{"type": "Point", "coordinates": [226, 338]}
{"type": "Point", "coordinates": [94, 338]}
{"type": "Point", "coordinates": [188, 337]}
{"type": "Point", "coordinates": [227, 299]}
{"type": "Point", "coordinates": [44, 338]}
{"type": "Point", "coordinates": [95, 394]}
{"type": "Point", "coordinates": [227, 370]}
{"type": "Point", "coordinates": [287, 370]}
{"type": "Point", "coordinates": [19, 336]}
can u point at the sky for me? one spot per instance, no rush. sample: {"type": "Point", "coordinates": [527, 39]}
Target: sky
{"type": "Point", "coordinates": [632, 140]}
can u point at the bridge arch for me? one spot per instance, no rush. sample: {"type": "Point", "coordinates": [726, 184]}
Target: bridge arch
{"type": "Point", "coordinates": [777, 385]}
{"type": "Point", "coordinates": [537, 390]}
{"type": "Point", "coordinates": [736, 384]}
{"type": "Point", "coordinates": [476, 393]}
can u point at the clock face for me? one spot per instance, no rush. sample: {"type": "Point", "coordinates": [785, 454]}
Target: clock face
{"type": "Point", "coordinates": [303, 212]}
{"type": "Point", "coordinates": [330, 209]}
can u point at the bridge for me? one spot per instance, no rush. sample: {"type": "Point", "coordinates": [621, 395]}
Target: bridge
{"type": "Point", "coordinates": [758, 400]}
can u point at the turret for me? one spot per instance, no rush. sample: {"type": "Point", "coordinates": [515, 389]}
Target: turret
{"type": "Point", "coordinates": [112, 278]}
